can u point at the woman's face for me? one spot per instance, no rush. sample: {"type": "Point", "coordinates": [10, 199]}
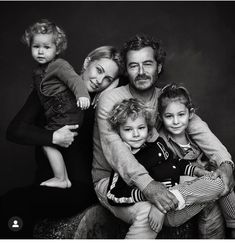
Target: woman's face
{"type": "Point", "coordinates": [99, 74]}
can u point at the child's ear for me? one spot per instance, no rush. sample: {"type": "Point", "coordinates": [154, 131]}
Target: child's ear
{"type": "Point", "coordinates": [191, 113]}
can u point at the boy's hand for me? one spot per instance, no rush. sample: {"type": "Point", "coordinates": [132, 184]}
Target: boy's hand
{"type": "Point", "coordinates": [83, 102]}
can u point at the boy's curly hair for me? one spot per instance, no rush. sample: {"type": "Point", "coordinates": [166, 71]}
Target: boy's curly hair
{"type": "Point", "coordinates": [129, 108]}
{"type": "Point", "coordinates": [45, 26]}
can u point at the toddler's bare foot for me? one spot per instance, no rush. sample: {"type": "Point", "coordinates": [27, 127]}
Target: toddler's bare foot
{"type": "Point", "coordinates": [69, 184]}
{"type": "Point", "coordinates": [156, 219]}
{"type": "Point", "coordinates": [56, 182]}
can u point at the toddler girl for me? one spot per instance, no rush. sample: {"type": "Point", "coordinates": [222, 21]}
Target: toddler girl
{"type": "Point", "coordinates": [60, 89]}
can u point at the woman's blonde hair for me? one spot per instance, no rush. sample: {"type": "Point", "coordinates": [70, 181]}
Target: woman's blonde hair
{"type": "Point", "coordinates": [108, 52]}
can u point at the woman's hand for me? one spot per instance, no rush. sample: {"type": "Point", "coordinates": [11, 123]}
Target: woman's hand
{"type": "Point", "coordinates": [64, 136]}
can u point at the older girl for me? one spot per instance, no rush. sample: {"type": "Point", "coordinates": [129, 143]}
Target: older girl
{"type": "Point", "coordinates": [175, 108]}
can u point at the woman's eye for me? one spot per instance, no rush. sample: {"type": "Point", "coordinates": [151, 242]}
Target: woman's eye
{"type": "Point", "coordinates": [99, 70]}
{"type": "Point", "coordinates": [109, 80]}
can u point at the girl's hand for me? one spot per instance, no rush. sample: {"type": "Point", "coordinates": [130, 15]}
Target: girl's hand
{"type": "Point", "coordinates": [83, 102]}
{"type": "Point", "coordinates": [200, 172]}
{"type": "Point", "coordinates": [64, 136]}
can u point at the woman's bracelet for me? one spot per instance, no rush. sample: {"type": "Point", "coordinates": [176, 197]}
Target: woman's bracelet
{"type": "Point", "coordinates": [228, 162]}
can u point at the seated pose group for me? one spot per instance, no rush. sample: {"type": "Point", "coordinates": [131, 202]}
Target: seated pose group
{"type": "Point", "coordinates": [126, 145]}
{"type": "Point", "coordinates": [143, 59]}
{"type": "Point", "coordinates": [133, 122]}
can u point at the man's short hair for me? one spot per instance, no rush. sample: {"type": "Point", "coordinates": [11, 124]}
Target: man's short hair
{"type": "Point", "coordinates": [140, 41]}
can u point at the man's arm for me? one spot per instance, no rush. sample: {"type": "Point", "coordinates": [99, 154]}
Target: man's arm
{"type": "Point", "coordinates": [214, 150]}
{"type": "Point", "coordinates": [115, 151]}
{"type": "Point", "coordinates": [122, 161]}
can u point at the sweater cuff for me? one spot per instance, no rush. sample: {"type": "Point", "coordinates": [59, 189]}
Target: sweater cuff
{"type": "Point", "coordinates": [142, 181]}
{"type": "Point", "coordinates": [231, 163]}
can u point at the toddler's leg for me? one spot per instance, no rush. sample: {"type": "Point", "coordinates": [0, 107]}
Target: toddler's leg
{"type": "Point", "coordinates": [56, 160]}
{"type": "Point", "coordinates": [227, 204]}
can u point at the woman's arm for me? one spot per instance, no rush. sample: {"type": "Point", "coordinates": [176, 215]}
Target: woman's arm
{"type": "Point", "coordinates": [24, 128]}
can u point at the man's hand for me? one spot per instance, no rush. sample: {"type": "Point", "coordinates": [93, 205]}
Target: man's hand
{"type": "Point", "coordinates": [225, 172]}
{"type": "Point", "coordinates": [156, 193]}
{"type": "Point", "coordinates": [64, 136]}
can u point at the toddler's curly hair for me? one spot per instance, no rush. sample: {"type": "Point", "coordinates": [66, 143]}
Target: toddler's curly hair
{"type": "Point", "coordinates": [129, 108]}
{"type": "Point", "coordinates": [45, 26]}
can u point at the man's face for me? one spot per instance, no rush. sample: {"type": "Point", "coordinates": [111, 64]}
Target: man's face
{"type": "Point", "coordinates": [142, 68]}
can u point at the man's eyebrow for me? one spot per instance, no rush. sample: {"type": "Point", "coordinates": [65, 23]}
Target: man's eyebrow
{"type": "Point", "coordinates": [149, 60]}
{"type": "Point", "coordinates": [132, 63]}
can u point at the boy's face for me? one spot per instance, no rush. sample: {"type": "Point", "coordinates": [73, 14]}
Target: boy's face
{"type": "Point", "coordinates": [134, 132]}
{"type": "Point", "coordinates": [176, 118]}
{"type": "Point", "coordinates": [43, 48]}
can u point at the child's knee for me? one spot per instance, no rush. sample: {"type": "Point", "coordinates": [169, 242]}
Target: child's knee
{"type": "Point", "coordinates": [215, 184]}
{"type": "Point", "coordinates": [142, 210]}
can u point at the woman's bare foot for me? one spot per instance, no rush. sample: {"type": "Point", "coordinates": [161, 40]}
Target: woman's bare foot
{"type": "Point", "coordinates": [56, 182]}
{"type": "Point", "coordinates": [156, 219]}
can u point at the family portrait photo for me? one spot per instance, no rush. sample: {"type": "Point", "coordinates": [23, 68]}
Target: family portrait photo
{"type": "Point", "coordinates": [117, 120]}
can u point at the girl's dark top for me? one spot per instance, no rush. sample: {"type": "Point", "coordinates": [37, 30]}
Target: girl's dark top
{"type": "Point", "coordinates": [27, 128]}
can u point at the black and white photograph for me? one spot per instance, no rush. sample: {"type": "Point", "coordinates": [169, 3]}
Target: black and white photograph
{"type": "Point", "coordinates": [117, 120]}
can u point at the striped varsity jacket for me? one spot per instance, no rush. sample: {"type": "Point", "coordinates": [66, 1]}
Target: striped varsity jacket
{"type": "Point", "coordinates": [162, 166]}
